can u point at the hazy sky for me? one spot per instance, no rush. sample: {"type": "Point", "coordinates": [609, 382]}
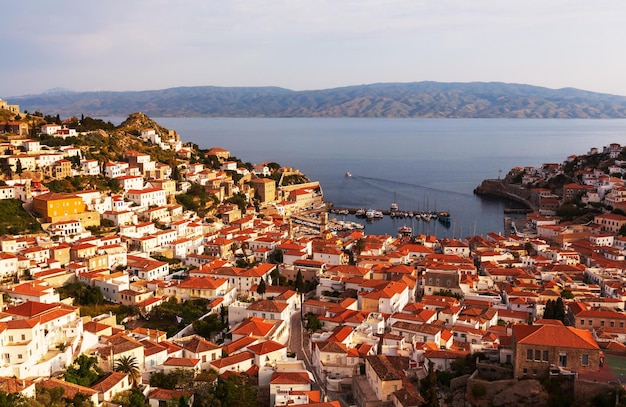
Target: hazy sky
{"type": "Point", "coordinates": [309, 44]}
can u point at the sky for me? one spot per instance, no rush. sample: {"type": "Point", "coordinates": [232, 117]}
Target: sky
{"type": "Point", "coordinates": [309, 44]}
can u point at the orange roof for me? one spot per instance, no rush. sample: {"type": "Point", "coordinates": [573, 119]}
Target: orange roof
{"type": "Point", "coordinates": [231, 360]}
{"type": "Point", "coordinates": [253, 327]}
{"type": "Point", "coordinates": [290, 378]}
{"type": "Point", "coordinates": [184, 362]}
{"type": "Point", "coordinates": [265, 347]}
{"type": "Point", "coordinates": [554, 335]}
{"type": "Point", "coordinates": [239, 344]}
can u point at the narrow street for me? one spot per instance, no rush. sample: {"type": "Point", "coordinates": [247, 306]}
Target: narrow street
{"type": "Point", "coordinates": [296, 344]}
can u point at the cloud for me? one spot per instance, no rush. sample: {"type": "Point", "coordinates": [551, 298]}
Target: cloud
{"type": "Point", "coordinates": [140, 44]}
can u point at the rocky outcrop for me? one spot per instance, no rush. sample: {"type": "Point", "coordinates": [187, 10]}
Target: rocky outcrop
{"type": "Point", "coordinates": [500, 188]}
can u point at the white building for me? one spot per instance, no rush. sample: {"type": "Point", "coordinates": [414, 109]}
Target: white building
{"type": "Point", "coordinates": [147, 197]}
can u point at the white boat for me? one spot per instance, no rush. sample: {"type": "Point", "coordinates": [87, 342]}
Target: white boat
{"type": "Point", "coordinates": [348, 174]}
{"type": "Point", "coordinates": [370, 214]}
{"type": "Point", "coordinates": [378, 214]}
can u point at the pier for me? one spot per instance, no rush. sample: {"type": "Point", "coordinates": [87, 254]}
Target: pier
{"type": "Point", "coordinates": [518, 210]}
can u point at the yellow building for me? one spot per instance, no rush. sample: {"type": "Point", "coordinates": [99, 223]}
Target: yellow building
{"type": "Point", "coordinates": [220, 153]}
{"type": "Point", "coordinates": [57, 204]}
{"type": "Point", "coordinates": [265, 188]}
{"type": "Point", "coordinates": [58, 207]}
{"type": "Point", "coordinates": [58, 170]}
{"type": "Point", "coordinates": [168, 185]}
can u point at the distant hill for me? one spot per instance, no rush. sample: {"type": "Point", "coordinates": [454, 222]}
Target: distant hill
{"type": "Point", "coordinates": [420, 99]}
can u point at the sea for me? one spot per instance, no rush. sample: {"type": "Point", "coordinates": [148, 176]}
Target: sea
{"type": "Point", "coordinates": [420, 164]}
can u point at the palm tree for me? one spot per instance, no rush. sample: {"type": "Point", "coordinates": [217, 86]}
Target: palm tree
{"type": "Point", "coordinates": [130, 366]}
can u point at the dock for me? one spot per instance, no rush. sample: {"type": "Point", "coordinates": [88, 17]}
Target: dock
{"type": "Point", "coordinates": [518, 210]}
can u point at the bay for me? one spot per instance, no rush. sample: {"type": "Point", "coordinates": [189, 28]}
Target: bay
{"type": "Point", "coordinates": [422, 164]}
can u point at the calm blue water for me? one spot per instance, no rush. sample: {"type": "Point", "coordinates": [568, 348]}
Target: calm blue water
{"type": "Point", "coordinates": [425, 163]}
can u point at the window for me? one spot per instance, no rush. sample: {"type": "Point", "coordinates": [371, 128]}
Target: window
{"type": "Point", "coordinates": [590, 323]}
{"type": "Point", "coordinates": [582, 322]}
{"type": "Point", "coordinates": [19, 356]}
{"type": "Point", "coordinates": [545, 356]}
{"type": "Point", "coordinates": [534, 372]}
{"type": "Point", "coordinates": [529, 354]}
{"type": "Point", "coordinates": [601, 323]}
{"type": "Point", "coordinates": [612, 324]}
{"type": "Point", "coordinates": [585, 359]}
{"type": "Point", "coordinates": [537, 355]}
{"type": "Point", "coordinates": [563, 359]}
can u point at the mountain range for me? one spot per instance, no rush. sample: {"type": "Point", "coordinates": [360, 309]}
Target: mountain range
{"type": "Point", "coordinates": [390, 100]}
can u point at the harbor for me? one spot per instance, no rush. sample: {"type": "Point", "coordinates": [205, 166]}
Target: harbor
{"type": "Point", "coordinates": [443, 216]}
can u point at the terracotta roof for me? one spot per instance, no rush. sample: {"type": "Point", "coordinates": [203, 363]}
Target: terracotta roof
{"type": "Point", "coordinates": [383, 368]}
{"type": "Point", "coordinates": [71, 389]}
{"type": "Point", "coordinates": [239, 344]}
{"type": "Point", "coordinates": [268, 306]}
{"type": "Point", "coordinates": [290, 378]}
{"type": "Point", "coordinates": [30, 309]}
{"type": "Point", "coordinates": [108, 382]}
{"type": "Point", "coordinates": [183, 362]}
{"type": "Point", "coordinates": [253, 327]}
{"type": "Point", "coordinates": [231, 360]}
{"type": "Point", "coordinates": [166, 395]}
{"type": "Point", "coordinates": [196, 344]}
{"type": "Point", "coordinates": [554, 335]}
{"type": "Point", "coordinates": [266, 347]}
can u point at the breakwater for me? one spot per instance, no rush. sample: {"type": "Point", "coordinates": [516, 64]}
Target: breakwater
{"type": "Point", "coordinates": [500, 188]}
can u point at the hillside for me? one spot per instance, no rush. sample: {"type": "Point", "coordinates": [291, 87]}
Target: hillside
{"type": "Point", "coordinates": [420, 99]}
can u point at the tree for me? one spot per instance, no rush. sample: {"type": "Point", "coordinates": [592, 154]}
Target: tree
{"type": "Point", "coordinates": [313, 323]}
{"type": "Point", "coordinates": [236, 392]}
{"type": "Point", "coordinates": [130, 398]}
{"type": "Point", "coordinates": [176, 175]}
{"type": "Point", "coordinates": [300, 288]}
{"type": "Point", "coordinates": [261, 288]}
{"type": "Point", "coordinates": [277, 257]}
{"type": "Point", "coordinates": [12, 400]}
{"type": "Point", "coordinates": [555, 309]}
{"type": "Point", "coordinates": [177, 379]}
{"type": "Point", "coordinates": [428, 387]}
{"type": "Point", "coordinates": [84, 371]}
{"type": "Point", "coordinates": [207, 326]}
{"type": "Point", "coordinates": [18, 167]}
{"type": "Point", "coordinates": [130, 366]}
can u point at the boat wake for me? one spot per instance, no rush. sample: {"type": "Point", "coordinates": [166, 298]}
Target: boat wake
{"type": "Point", "coordinates": [364, 179]}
